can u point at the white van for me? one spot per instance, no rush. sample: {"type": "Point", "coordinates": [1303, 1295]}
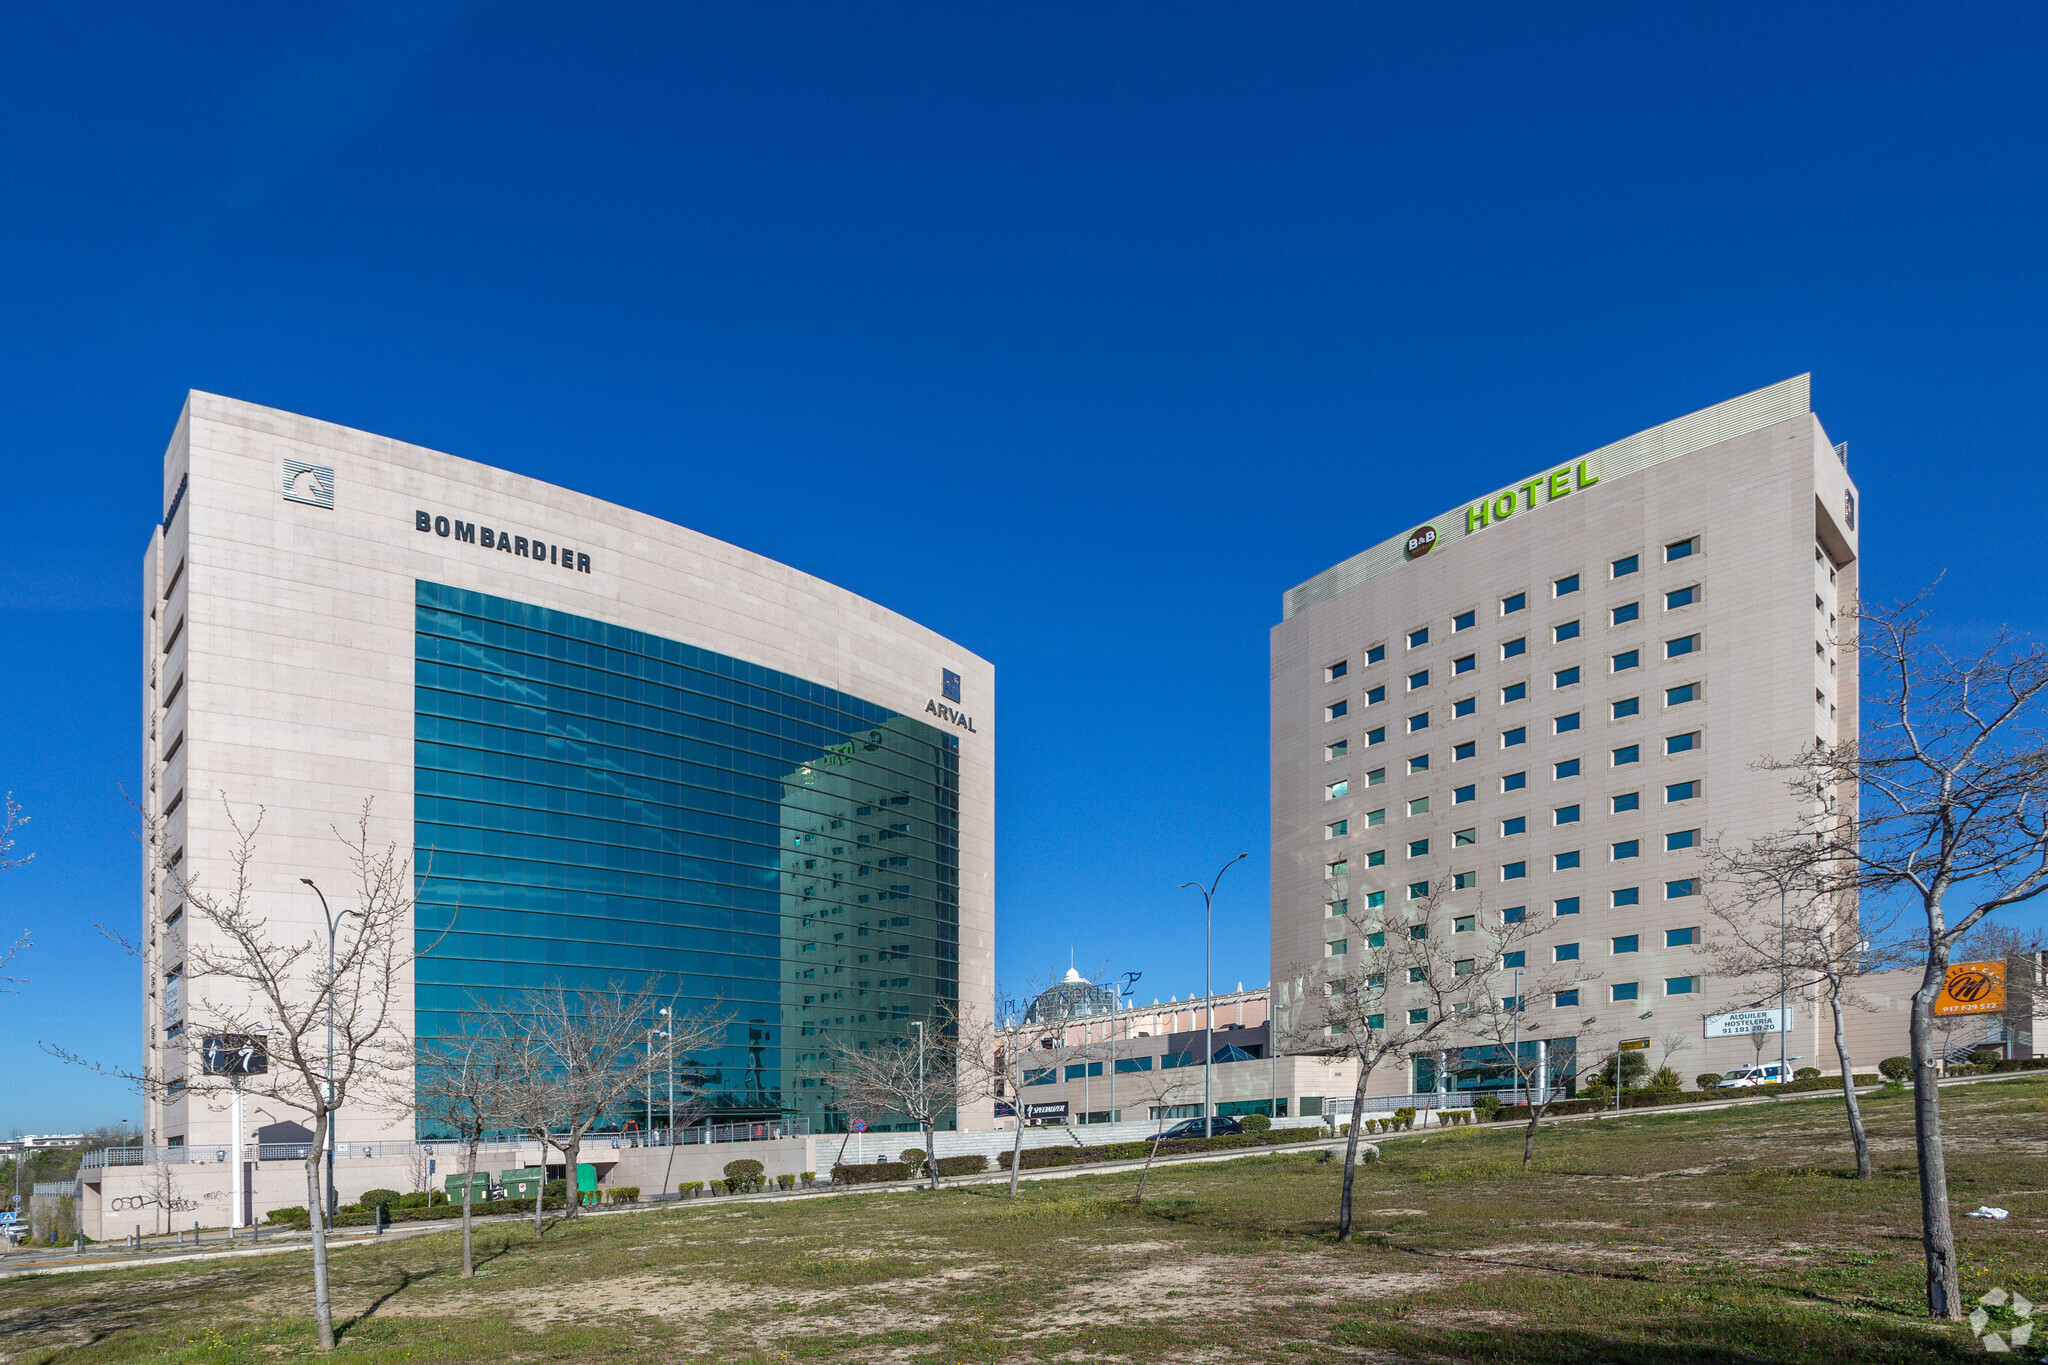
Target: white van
{"type": "Point", "coordinates": [1772, 1074]}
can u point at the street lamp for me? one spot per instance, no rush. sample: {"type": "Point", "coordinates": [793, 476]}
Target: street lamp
{"type": "Point", "coordinates": [1209, 993]}
{"type": "Point", "coordinates": [333, 923]}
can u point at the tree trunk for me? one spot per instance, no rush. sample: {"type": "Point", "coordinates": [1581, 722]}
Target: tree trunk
{"type": "Point", "coordinates": [1150, 1157]}
{"type": "Point", "coordinates": [1937, 1233]}
{"type": "Point", "coordinates": [323, 1308]}
{"type": "Point", "coordinates": [1856, 1133]}
{"type": "Point", "coordinates": [468, 1184]}
{"type": "Point", "coordinates": [572, 1198]}
{"type": "Point", "coordinates": [540, 1189]}
{"type": "Point", "coordinates": [931, 1152]}
{"type": "Point", "coordinates": [1017, 1151]}
{"type": "Point", "coordinates": [1351, 1153]}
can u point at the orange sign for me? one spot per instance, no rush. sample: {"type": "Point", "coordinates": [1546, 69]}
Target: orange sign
{"type": "Point", "coordinates": [1972, 988]}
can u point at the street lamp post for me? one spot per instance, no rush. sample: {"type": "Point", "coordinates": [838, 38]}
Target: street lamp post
{"type": "Point", "coordinates": [333, 923]}
{"type": "Point", "coordinates": [1515, 1046]}
{"type": "Point", "coordinates": [1209, 993]}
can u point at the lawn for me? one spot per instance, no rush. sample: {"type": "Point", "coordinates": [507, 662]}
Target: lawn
{"type": "Point", "coordinates": [1654, 1237]}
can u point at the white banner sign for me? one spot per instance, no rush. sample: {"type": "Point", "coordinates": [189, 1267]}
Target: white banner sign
{"type": "Point", "coordinates": [1743, 1023]}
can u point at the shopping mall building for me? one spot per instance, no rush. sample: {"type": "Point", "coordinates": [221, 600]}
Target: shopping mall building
{"type": "Point", "coordinates": [618, 752]}
{"type": "Point", "coordinates": [1546, 698]}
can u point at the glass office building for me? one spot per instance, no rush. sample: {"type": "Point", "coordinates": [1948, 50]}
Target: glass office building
{"type": "Point", "coordinates": [601, 808]}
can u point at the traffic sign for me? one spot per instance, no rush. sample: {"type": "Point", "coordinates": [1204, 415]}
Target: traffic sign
{"type": "Point", "coordinates": [859, 1125]}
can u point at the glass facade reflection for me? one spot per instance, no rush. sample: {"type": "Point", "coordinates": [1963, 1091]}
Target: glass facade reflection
{"type": "Point", "coordinates": [597, 806]}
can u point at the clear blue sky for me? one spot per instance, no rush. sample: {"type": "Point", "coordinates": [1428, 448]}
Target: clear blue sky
{"type": "Point", "coordinates": [1079, 332]}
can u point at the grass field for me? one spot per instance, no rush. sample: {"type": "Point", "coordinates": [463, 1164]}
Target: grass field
{"type": "Point", "coordinates": [1669, 1238]}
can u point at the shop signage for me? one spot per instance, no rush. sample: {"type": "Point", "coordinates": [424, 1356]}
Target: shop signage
{"type": "Point", "coordinates": [1420, 542]}
{"type": "Point", "coordinates": [504, 542]}
{"type": "Point", "coordinates": [1972, 988]}
{"type": "Point", "coordinates": [1743, 1023]}
{"type": "Point", "coordinates": [1046, 1109]}
{"type": "Point", "coordinates": [1549, 487]}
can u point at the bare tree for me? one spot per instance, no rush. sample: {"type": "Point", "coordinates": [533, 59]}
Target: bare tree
{"type": "Point", "coordinates": [580, 1053]}
{"type": "Point", "coordinates": [1000, 1054]}
{"type": "Point", "coordinates": [1945, 797]}
{"type": "Point", "coordinates": [1992, 941]}
{"type": "Point", "coordinates": [1498, 1018]}
{"type": "Point", "coordinates": [11, 819]}
{"type": "Point", "coordinates": [1168, 1091]}
{"type": "Point", "coordinates": [1670, 1044]}
{"type": "Point", "coordinates": [1817, 952]}
{"type": "Point", "coordinates": [918, 1074]}
{"type": "Point", "coordinates": [1396, 985]}
{"type": "Point", "coordinates": [463, 1081]}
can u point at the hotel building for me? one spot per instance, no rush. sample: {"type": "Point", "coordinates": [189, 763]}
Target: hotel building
{"type": "Point", "coordinates": [617, 752]}
{"type": "Point", "coordinates": [1547, 697]}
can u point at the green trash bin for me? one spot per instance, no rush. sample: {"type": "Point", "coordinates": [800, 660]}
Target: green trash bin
{"type": "Point", "coordinates": [586, 1183]}
{"type": "Point", "coordinates": [479, 1191]}
{"type": "Point", "coordinates": [523, 1183]}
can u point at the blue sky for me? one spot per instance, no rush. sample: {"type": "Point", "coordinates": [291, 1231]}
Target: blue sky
{"type": "Point", "coordinates": [1079, 332]}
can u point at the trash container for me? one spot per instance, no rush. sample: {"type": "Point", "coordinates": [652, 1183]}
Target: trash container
{"type": "Point", "coordinates": [525, 1182]}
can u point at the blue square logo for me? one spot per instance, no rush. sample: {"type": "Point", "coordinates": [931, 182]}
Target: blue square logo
{"type": "Point", "coordinates": [951, 684]}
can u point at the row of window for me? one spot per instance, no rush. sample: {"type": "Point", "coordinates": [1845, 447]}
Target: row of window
{"type": "Point", "coordinates": [1560, 771]}
{"type": "Point", "coordinates": [1559, 588]}
{"type": "Point", "coordinates": [1620, 804]}
{"type": "Point", "coordinates": [1620, 662]}
{"type": "Point", "coordinates": [1618, 898]}
{"type": "Point", "coordinates": [1566, 999]}
{"type": "Point", "coordinates": [1620, 709]}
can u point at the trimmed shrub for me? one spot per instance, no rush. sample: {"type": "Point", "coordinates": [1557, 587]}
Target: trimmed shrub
{"type": "Point", "coordinates": [873, 1173]}
{"type": "Point", "coordinates": [1708, 1080]}
{"type": "Point", "coordinates": [556, 1189]}
{"type": "Point", "coordinates": [1484, 1107]}
{"type": "Point", "coordinates": [1666, 1079]}
{"type": "Point", "coordinates": [624, 1194]}
{"type": "Point", "coordinates": [1404, 1117]}
{"type": "Point", "coordinates": [743, 1170]}
{"type": "Point", "coordinates": [809, 1178]}
{"type": "Point", "coordinates": [1806, 1073]}
{"type": "Point", "coordinates": [1896, 1068]}
{"type": "Point", "coordinates": [689, 1188]}
{"type": "Point", "coordinates": [785, 1181]}
{"type": "Point", "coordinates": [1256, 1123]}
{"type": "Point", "coordinates": [389, 1199]}
{"type": "Point", "coordinates": [1987, 1056]}
{"type": "Point", "coordinates": [961, 1165]}
{"type": "Point", "coordinates": [913, 1157]}
{"type": "Point", "coordinates": [296, 1214]}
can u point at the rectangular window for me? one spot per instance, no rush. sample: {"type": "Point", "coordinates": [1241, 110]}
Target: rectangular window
{"type": "Point", "coordinates": [1567, 999]}
{"type": "Point", "coordinates": [1378, 857]}
{"type": "Point", "coordinates": [1336, 671]}
{"type": "Point", "coordinates": [1418, 848]}
{"type": "Point", "coordinates": [1460, 838]}
{"type": "Point", "coordinates": [1513, 825]}
{"type": "Point", "coordinates": [1628, 848]}
{"type": "Point", "coordinates": [1337, 710]}
{"type": "Point", "coordinates": [1627, 659]}
{"type": "Point", "coordinates": [1418, 764]}
{"type": "Point", "coordinates": [1681, 938]}
{"type": "Point", "coordinates": [1464, 881]}
{"type": "Point", "coordinates": [1679, 696]}
{"type": "Point", "coordinates": [1565, 586]}
{"type": "Point", "coordinates": [1418, 722]}
{"type": "Point", "coordinates": [1375, 900]}
{"type": "Point", "coordinates": [1679, 744]}
{"type": "Point", "coordinates": [1460, 795]}
{"type": "Point", "coordinates": [1337, 750]}
{"type": "Point", "coordinates": [1375, 817]}
{"type": "Point", "coordinates": [1464, 924]}
{"type": "Point", "coordinates": [1565, 677]}
{"type": "Point", "coordinates": [1375, 777]}
{"type": "Point", "coordinates": [1337, 789]}
{"type": "Point", "coordinates": [1374, 696]}
{"type": "Point", "coordinates": [1625, 613]}
{"type": "Point", "coordinates": [1565, 905]}
{"type": "Point", "coordinates": [1464, 620]}
{"type": "Point", "coordinates": [1568, 768]}
{"type": "Point", "coordinates": [1510, 605]}
{"type": "Point", "coordinates": [1627, 895]}
{"type": "Point", "coordinates": [1565, 952]}
{"type": "Point", "coordinates": [1513, 692]}
{"type": "Point", "coordinates": [1418, 679]}
{"type": "Point", "coordinates": [1623, 567]}
{"type": "Point", "coordinates": [1338, 868]}
{"type": "Point", "coordinates": [1337, 829]}
{"type": "Point", "coordinates": [1514, 872]}
{"type": "Point", "coordinates": [1464, 664]}
{"type": "Point", "coordinates": [1461, 752]}
{"type": "Point", "coordinates": [1463, 967]}
{"type": "Point", "coordinates": [1342, 907]}
{"type": "Point", "coordinates": [1628, 753]}
{"type": "Point", "coordinates": [1627, 801]}
{"type": "Point", "coordinates": [1564, 862]}
{"type": "Point", "coordinates": [1417, 890]}
{"type": "Point", "coordinates": [1680, 549]}
{"type": "Point", "coordinates": [1416, 974]}
{"type": "Point", "coordinates": [1375, 654]}
{"type": "Point", "coordinates": [1514, 782]}
{"type": "Point", "coordinates": [1565, 815]}
{"type": "Point", "coordinates": [1418, 1016]}
{"type": "Point", "coordinates": [1518, 645]}
{"type": "Point", "coordinates": [1568, 631]}
{"type": "Point", "coordinates": [1518, 958]}
{"type": "Point", "coordinates": [1372, 1023]}
{"type": "Point", "coordinates": [1678, 890]}
{"type": "Point", "coordinates": [1624, 990]}
{"type": "Point", "coordinates": [1563, 725]}
{"type": "Point", "coordinates": [1683, 838]}
{"type": "Point", "coordinates": [1680, 985]}
{"type": "Point", "coordinates": [1626, 943]}
{"type": "Point", "coordinates": [1376, 736]}
{"type": "Point", "coordinates": [1338, 947]}
{"type": "Point", "coordinates": [1514, 914]}
{"type": "Point", "coordinates": [1683, 645]}
{"type": "Point", "coordinates": [1418, 638]}
{"type": "Point", "coordinates": [1681, 597]}
{"type": "Point", "coordinates": [1510, 738]}
{"type": "Point", "coordinates": [1626, 707]}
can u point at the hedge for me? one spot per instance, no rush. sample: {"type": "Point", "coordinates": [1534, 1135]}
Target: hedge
{"type": "Point", "coordinates": [871, 1173]}
{"type": "Point", "coordinates": [961, 1165]}
{"type": "Point", "coordinates": [2025, 1064]}
{"type": "Point", "coordinates": [1651, 1099]}
{"type": "Point", "coordinates": [1038, 1158]}
{"type": "Point", "coordinates": [298, 1218]}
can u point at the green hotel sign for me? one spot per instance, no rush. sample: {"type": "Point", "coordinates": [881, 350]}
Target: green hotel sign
{"type": "Point", "coordinates": [1550, 487]}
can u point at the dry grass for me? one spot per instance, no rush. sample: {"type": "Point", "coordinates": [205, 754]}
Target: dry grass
{"type": "Point", "coordinates": [1651, 1237]}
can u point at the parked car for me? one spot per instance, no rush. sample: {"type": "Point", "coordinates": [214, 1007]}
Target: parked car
{"type": "Point", "coordinates": [1772, 1074]}
{"type": "Point", "coordinates": [1192, 1128]}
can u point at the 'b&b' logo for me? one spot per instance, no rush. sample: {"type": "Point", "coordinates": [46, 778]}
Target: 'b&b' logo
{"type": "Point", "coordinates": [1421, 542]}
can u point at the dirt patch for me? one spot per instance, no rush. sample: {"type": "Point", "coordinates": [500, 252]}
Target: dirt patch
{"type": "Point", "coordinates": [1208, 1287]}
